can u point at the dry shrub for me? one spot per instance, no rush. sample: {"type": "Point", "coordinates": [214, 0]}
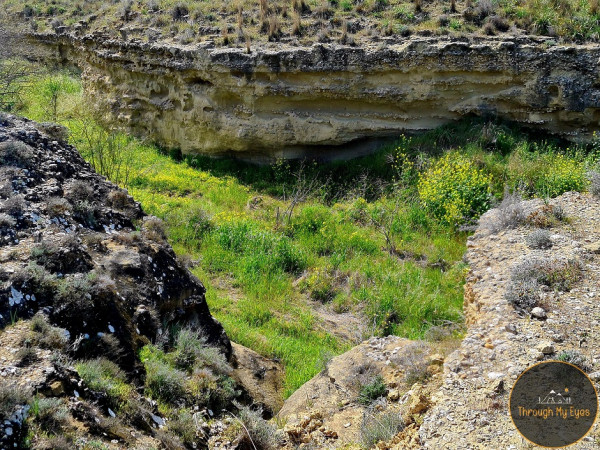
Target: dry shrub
{"type": "Point", "coordinates": [14, 206]}
{"type": "Point", "coordinates": [257, 432]}
{"type": "Point", "coordinates": [539, 239]}
{"type": "Point", "coordinates": [155, 229]}
{"type": "Point", "coordinates": [297, 25]}
{"type": "Point", "coordinates": [16, 153]}
{"type": "Point", "coordinates": [119, 199]}
{"type": "Point", "coordinates": [509, 214]}
{"type": "Point", "coordinates": [594, 178]}
{"type": "Point", "coordinates": [180, 12]}
{"type": "Point", "coordinates": [380, 426]}
{"type": "Point", "coordinates": [546, 217]}
{"type": "Point", "coordinates": [499, 23]}
{"type": "Point", "coordinates": [274, 28]}
{"type": "Point", "coordinates": [58, 207]}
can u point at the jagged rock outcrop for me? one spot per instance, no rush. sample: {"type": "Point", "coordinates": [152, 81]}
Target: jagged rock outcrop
{"type": "Point", "coordinates": [285, 101]}
{"type": "Point", "coordinates": [470, 408]}
{"type": "Point", "coordinates": [69, 247]}
{"type": "Point", "coordinates": [335, 410]}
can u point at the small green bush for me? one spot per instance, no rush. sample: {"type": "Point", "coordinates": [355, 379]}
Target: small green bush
{"type": "Point", "coordinates": [26, 356]}
{"type": "Point", "coordinates": [377, 427]}
{"type": "Point", "coordinates": [191, 350]}
{"type": "Point", "coordinates": [207, 389]}
{"type": "Point", "coordinates": [45, 335]}
{"type": "Point", "coordinates": [187, 344]}
{"type": "Point", "coordinates": [50, 414]}
{"type": "Point", "coordinates": [184, 426]}
{"type": "Point", "coordinates": [358, 211]}
{"type": "Point", "coordinates": [38, 281]}
{"type": "Point", "coordinates": [105, 376]}
{"type": "Point", "coordinates": [165, 383]}
{"type": "Point", "coordinates": [372, 391]}
{"type": "Point", "coordinates": [454, 190]}
{"type": "Point", "coordinates": [321, 285]}
{"type": "Point", "coordinates": [575, 358]}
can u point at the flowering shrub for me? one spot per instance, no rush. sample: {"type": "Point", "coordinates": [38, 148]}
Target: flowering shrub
{"type": "Point", "coordinates": [563, 174]}
{"type": "Point", "coordinates": [405, 173]}
{"type": "Point", "coordinates": [321, 285]}
{"type": "Point", "coordinates": [454, 190]}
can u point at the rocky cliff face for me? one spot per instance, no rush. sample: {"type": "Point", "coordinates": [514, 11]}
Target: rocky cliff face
{"type": "Point", "coordinates": [69, 247]}
{"type": "Point", "coordinates": [285, 101]}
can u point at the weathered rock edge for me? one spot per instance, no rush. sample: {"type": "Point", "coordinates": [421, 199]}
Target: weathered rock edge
{"type": "Point", "coordinates": [285, 101]}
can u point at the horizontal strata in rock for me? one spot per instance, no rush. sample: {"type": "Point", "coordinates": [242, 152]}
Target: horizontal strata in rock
{"type": "Point", "coordinates": [282, 101]}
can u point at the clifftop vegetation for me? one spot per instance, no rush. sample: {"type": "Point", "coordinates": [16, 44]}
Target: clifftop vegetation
{"type": "Point", "coordinates": [244, 22]}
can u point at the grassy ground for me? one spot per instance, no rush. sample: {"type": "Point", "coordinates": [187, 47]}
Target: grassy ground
{"type": "Point", "coordinates": [307, 21]}
{"type": "Point", "coordinates": [378, 237]}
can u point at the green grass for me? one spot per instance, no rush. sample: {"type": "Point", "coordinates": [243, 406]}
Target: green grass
{"type": "Point", "coordinates": [263, 273]}
{"type": "Point", "coordinates": [105, 376]}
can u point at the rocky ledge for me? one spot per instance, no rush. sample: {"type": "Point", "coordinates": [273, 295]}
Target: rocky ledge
{"type": "Point", "coordinates": [287, 101]}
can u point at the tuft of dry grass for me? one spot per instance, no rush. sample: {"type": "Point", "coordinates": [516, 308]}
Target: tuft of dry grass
{"type": "Point", "coordinates": [297, 25]}
{"type": "Point", "coordinates": [418, 6]}
{"type": "Point", "coordinates": [274, 28]}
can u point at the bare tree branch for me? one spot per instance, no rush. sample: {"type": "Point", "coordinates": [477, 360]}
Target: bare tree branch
{"type": "Point", "coordinates": [303, 187]}
{"type": "Point", "coordinates": [15, 72]}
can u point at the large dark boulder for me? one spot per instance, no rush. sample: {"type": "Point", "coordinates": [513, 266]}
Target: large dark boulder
{"type": "Point", "coordinates": [79, 248]}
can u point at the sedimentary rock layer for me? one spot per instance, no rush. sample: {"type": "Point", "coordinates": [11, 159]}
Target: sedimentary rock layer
{"type": "Point", "coordinates": [286, 100]}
